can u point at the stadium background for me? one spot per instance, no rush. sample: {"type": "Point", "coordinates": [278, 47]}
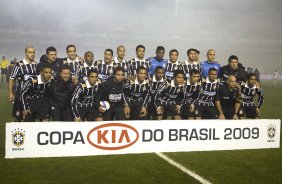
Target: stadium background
{"type": "Point", "coordinates": [250, 29]}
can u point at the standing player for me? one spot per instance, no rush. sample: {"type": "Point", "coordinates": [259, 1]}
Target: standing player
{"type": "Point", "coordinates": [233, 68]}
{"type": "Point", "coordinates": [228, 99]}
{"type": "Point", "coordinates": [87, 65]}
{"type": "Point", "coordinates": [193, 87]}
{"type": "Point", "coordinates": [112, 91]}
{"type": "Point", "coordinates": [210, 63]}
{"type": "Point", "coordinates": [249, 90]}
{"type": "Point", "coordinates": [73, 61]}
{"type": "Point", "coordinates": [158, 60]}
{"type": "Point", "coordinates": [83, 104]}
{"type": "Point", "coordinates": [170, 96]}
{"type": "Point", "coordinates": [136, 93]}
{"type": "Point", "coordinates": [172, 64]}
{"type": "Point", "coordinates": [156, 81]}
{"type": "Point", "coordinates": [22, 70]}
{"type": "Point", "coordinates": [119, 61]}
{"type": "Point", "coordinates": [105, 67]}
{"type": "Point", "coordinates": [204, 104]}
{"type": "Point", "coordinates": [52, 60]}
{"type": "Point", "coordinates": [275, 76]}
{"type": "Point", "coordinates": [191, 62]}
{"type": "Point", "coordinates": [4, 65]}
{"type": "Point", "coordinates": [139, 60]}
{"type": "Point", "coordinates": [34, 96]}
{"type": "Point", "coordinates": [60, 94]}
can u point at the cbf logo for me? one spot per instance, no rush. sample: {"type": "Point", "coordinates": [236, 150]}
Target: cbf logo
{"type": "Point", "coordinates": [18, 137]}
{"type": "Point", "coordinates": [271, 130]}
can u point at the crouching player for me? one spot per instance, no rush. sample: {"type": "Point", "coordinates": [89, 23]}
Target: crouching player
{"type": "Point", "coordinates": [83, 104]}
{"type": "Point", "coordinates": [193, 87]}
{"type": "Point", "coordinates": [112, 91]}
{"type": "Point", "coordinates": [34, 96]}
{"type": "Point", "coordinates": [136, 92]}
{"type": "Point", "coordinates": [249, 90]}
{"type": "Point", "coordinates": [170, 95]}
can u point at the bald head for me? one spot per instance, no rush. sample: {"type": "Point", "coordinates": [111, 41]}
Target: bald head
{"type": "Point", "coordinates": [211, 55]}
{"type": "Point", "coordinates": [231, 81]}
{"type": "Point", "coordinates": [30, 53]}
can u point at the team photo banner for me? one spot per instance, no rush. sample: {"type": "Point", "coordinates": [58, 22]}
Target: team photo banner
{"type": "Point", "coordinates": [61, 139]}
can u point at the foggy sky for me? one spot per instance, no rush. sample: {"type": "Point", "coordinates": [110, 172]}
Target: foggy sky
{"type": "Point", "coordinates": [250, 29]}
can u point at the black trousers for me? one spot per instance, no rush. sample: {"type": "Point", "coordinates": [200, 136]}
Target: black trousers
{"type": "Point", "coordinates": [61, 114]}
{"type": "Point", "coordinates": [115, 112]}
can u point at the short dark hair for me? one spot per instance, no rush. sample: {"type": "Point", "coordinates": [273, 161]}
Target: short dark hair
{"type": "Point", "coordinates": [177, 72]}
{"type": "Point", "coordinates": [140, 46]}
{"type": "Point", "coordinates": [212, 70]}
{"type": "Point", "coordinates": [65, 67]}
{"type": "Point", "coordinates": [250, 75]}
{"type": "Point", "coordinates": [51, 49]}
{"type": "Point", "coordinates": [232, 57]}
{"type": "Point", "coordinates": [198, 52]}
{"type": "Point", "coordinates": [69, 46]}
{"type": "Point", "coordinates": [160, 48]}
{"type": "Point", "coordinates": [140, 68]}
{"type": "Point", "coordinates": [173, 50]}
{"type": "Point", "coordinates": [194, 71]}
{"type": "Point", "coordinates": [110, 50]}
{"type": "Point", "coordinates": [191, 50]}
{"type": "Point", "coordinates": [45, 65]}
{"type": "Point", "coordinates": [118, 68]}
{"type": "Point", "coordinates": [88, 52]}
{"type": "Point", "coordinates": [92, 71]}
{"type": "Point", "coordinates": [158, 68]}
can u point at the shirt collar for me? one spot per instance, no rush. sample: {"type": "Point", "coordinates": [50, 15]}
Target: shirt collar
{"type": "Point", "coordinates": [117, 61]}
{"type": "Point", "coordinates": [155, 80]}
{"type": "Point", "coordinates": [70, 61]}
{"type": "Point", "coordinates": [136, 59]}
{"type": "Point", "coordinates": [136, 81]}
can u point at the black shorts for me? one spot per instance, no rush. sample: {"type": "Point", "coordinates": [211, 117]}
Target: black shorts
{"type": "Point", "coordinates": [39, 109]}
{"type": "Point", "coordinates": [115, 112]}
{"type": "Point", "coordinates": [61, 114]}
{"type": "Point", "coordinates": [205, 111]}
{"type": "Point", "coordinates": [248, 111]}
{"type": "Point", "coordinates": [3, 71]}
{"type": "Point", "coordinates": [228, 111]}
{"type": "Point", "coordinates": [169, 109]}
{"type": "Point", "coordinates": [186, 113]}
{"type": "Point", "coordinates": [135, 109]}
{"type": "Point", "coordinates": [152, 110]}
{"type": "Point", "coordinates": [89, 113]}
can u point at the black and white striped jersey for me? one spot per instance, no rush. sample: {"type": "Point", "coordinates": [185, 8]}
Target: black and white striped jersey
{"type": "Point", "coordinates": [33, 88]}
{"type": "Point", "coordinates": [105, 70]}
{"type": "Point", "coordinates": [74, 65]}
{"type": "Point", "coordinates": [155, 85]}
{"type": "Point", "coordinates": [124, 65]}
{"type": "Point", "coordinates": [248, 94]}
{"type": "Point", "coordinates": [135, 63]}
{"type": "Point", "coordinates": [208, 91]}
{"type": "Point", "coordinates": [170, 93]}
{"type": "Point", "coordinates": [187, 67]}
{"type": "Point", "coordinates": [192, 92]}
{"type": "Point", "coordinates": [22, 71]}
{"type": "Point", "coordinates": [170, 68]}
{"type": "Point", "coordinates": [83, 71]}
{"type": "Point", "coordinates": [84, 96]}
{"type": "Point", "coordinates": [134, 91]}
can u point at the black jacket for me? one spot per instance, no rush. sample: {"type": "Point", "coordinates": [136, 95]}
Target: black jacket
{"type": "Point", "coordinates": [60, 93]}
{"type": "Point", "coordinates": [240, 73]}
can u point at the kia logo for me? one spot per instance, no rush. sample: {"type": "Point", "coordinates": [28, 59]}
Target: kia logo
{"type": "Point", "coordinates": [112, 136]}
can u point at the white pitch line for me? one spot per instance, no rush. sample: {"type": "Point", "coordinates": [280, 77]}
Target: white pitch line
{"type": "Point", "coordinates": [184, 169]}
